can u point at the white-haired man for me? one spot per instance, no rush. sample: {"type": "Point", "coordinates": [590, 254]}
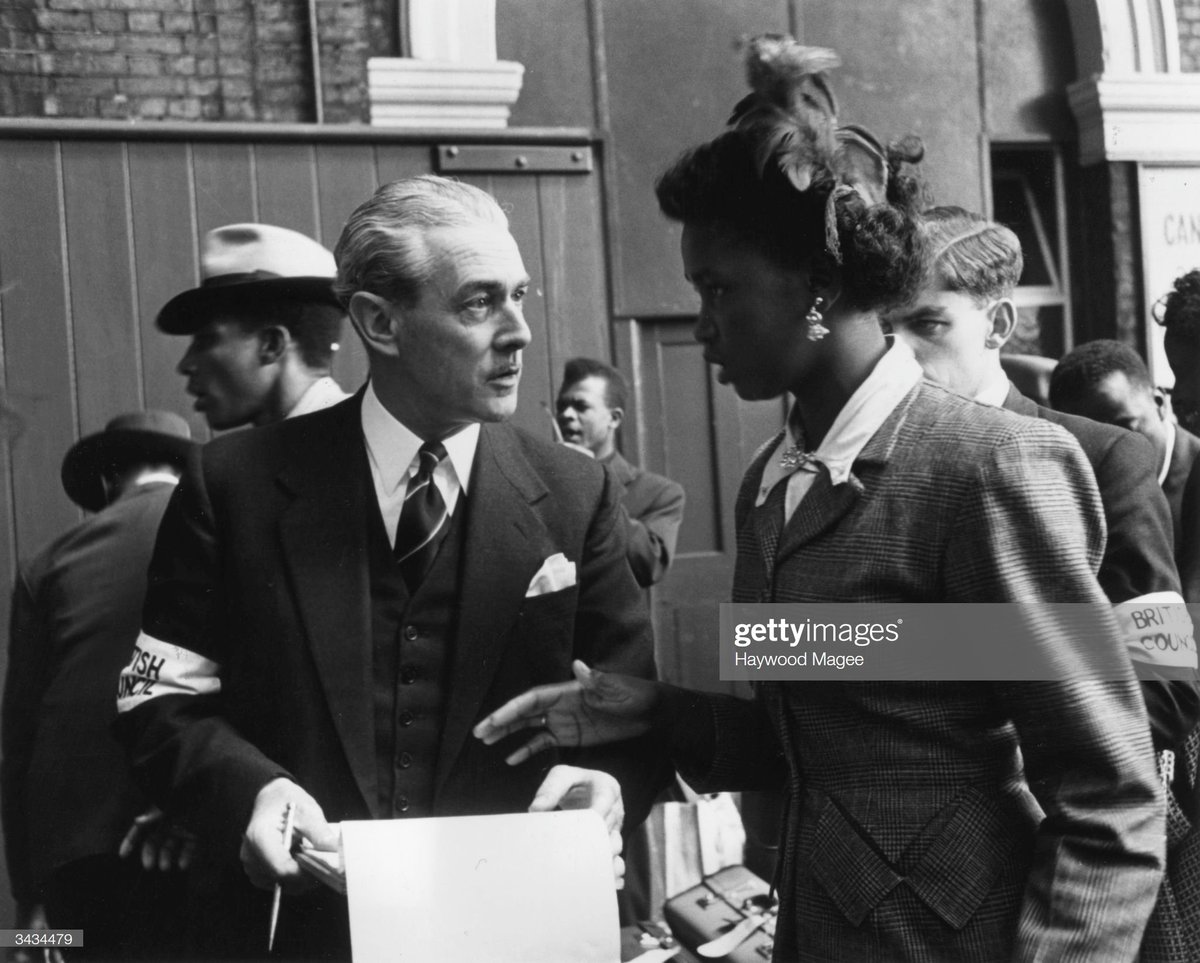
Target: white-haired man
{"type": "Point", "coordinates": [335, 600]}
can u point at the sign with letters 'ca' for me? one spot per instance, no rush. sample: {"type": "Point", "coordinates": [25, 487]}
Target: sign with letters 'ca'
{"type": "Point", "coordinates": [1170, 208]}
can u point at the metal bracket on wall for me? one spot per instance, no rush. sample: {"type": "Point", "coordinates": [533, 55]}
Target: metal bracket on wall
{"type": "Point", "coordinates": [501, 159]}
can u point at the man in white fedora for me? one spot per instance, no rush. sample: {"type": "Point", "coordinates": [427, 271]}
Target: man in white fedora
{"type": "Point", "coordinates": [264, 326]}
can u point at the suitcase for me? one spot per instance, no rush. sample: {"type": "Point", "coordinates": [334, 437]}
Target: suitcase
{"type": "Point", "coordinates": [719, 904]}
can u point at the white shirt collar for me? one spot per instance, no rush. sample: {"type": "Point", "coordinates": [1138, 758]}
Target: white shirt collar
{"type": "Point", "coordinates": [864, 413]}
{"type": "Point", "coordinates": [392, 447]}
{"type": "Point", "coordinates": [995, 392]}
{"type": "Point", "coordinates": [1166, 465]}
{"type": "Point", "coordinates": [320, 394]}
{"type": "Point", "coordinates": [156, 478]}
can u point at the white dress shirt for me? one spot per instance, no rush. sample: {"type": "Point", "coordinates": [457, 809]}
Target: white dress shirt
{"type": "Point", "coordinates": [392, 450]}
{"type": "Point", "coordinates": [320, 394]}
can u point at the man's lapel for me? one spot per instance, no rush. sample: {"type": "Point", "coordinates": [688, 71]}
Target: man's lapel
{"type": "Point", "coordinates": [323, 533]}
{"type": "Point", "coordinates": [506, 543]}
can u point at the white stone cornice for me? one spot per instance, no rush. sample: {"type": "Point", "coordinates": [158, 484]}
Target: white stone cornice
{"type": "Point", "coordinates": [1145, 117]}
{"type": "Point", "coordinates": [442, 94]}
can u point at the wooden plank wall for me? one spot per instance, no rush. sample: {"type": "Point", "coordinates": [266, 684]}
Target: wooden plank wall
{"type": "Point", "coordinates": [97, 234]}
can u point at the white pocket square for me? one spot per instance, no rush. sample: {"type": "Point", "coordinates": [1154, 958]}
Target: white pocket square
{"type": "Point", "coordinates": [555, 574]}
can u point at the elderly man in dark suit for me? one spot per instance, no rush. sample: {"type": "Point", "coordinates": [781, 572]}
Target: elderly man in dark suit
{"type": "Point", "coordinates": [590, 409]}
{"type": "Point", "coordinates": [336, 599]}
{"type": "Point", "coordinates": [68, 796]}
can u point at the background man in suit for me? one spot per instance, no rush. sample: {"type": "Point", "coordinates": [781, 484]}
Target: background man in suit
{"type": "Point", "coordinates": [591, 406]}
{"type": "Point", "coordinates": [336, 599]}
{"type": "Point", "coordinates": [68, 796]}
{"type": "Point", "coordinates": [964, 315]}
{"type": "Point", "coordinates": [1108, 381]}
{"type": "Point", "coordinates": [264, 325]}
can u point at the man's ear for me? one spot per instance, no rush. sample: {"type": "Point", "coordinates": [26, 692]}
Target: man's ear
{"type": "Point", "coordinates": [618, 416]}
{"type": "Point", "coordinates": [1002, 322]}
{"type": "Point", "coordinates": [376, 320]}
{"type": "Point", "coordinates": [273, 341]}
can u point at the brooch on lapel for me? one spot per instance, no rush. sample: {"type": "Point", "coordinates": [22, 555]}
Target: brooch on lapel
{"type": "Point", "coordinates": [794, 458]}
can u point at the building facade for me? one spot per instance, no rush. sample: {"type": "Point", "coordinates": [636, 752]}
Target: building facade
{"type": "Point", "coordinates": [128, 128]}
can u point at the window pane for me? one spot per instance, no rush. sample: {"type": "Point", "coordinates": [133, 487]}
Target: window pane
{"type": "Point", "coordinates": [1023, 198]}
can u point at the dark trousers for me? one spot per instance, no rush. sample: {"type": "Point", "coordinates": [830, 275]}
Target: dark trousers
{"type": "Point", "coordinates": [125, 912]}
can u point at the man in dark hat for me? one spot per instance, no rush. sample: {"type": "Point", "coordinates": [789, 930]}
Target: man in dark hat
{"type": "Point", "coordinates": [264, 325]}
{"type": "Point", "coordinates": [68, 799]}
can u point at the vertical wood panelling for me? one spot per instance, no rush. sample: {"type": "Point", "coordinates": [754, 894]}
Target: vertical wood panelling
{"type": "Point", "coordinates": [37, 350]}
{"type": "Point", "coordinates": [576, 291]}
{"type": "Point", "coordinates": [699, 433]}
{"type": "Point", "coordinates": [345, 178]}
{"type": "Point", "coordinates": [224, 185]}
{"type": "Point", "coordinates": [518, 194]}
{"type": "Point", "coordinates": [394, 161]}
{"type": "Point", "coordinates": [286, 179]}
{"type": "Point", "coordinates": [166, 254]}
{"type": "Point", "coordinates": [103, 315]}
{"type": "Point", "coordinates": [685, 411]}
{"type": "Point", "coordinates": [658, 106]}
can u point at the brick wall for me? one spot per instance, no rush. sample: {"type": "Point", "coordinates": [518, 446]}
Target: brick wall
{"type": "Point", "coordinates": [234, 60]}
{"type": "Point", "coordinates": [1187, 12]}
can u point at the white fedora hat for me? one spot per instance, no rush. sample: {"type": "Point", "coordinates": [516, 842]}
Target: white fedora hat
{"type": "Point", "coordinates": [247, 264]}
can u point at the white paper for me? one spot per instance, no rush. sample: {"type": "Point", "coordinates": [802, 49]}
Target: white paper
{"type": "Point", "coordinates": [516, 888]}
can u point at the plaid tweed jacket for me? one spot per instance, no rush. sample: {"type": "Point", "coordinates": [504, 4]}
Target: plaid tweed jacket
{"type": "Point", "coordinates": [910, 833]}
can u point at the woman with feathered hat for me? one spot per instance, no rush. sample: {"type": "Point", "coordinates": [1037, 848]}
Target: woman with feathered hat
{"type": "Point", "coordinates": [923, 821]}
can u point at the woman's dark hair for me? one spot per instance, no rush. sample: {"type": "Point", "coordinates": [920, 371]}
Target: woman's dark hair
{"type": "Point", "coordinates": [719, 184]}
{"type": "Point", "coordinates": [1181, 308]}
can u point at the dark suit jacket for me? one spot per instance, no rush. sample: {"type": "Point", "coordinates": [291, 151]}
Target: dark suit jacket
{"type": "Point", "coordinates": [909, 835]}
{"type": "Point", "coordinates": [1187, 549]}
{"type": "Point", "coordinates": [653, 509]}
{"type": "Point", "coordinates": [1138, 559]}
{"type": "Point", "coordinates": [67, 792]}
{"type": "Point", "coordinates": [261, 568]}
{"type": "Point", "coordinates": [1183, 459]}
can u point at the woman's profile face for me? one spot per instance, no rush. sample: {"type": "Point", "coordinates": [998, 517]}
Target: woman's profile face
{"type": "Point", "coordinates": [751, 318]}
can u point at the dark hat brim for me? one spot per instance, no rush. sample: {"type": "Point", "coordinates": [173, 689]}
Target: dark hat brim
{"type": "Point", "coordinates": [89, 458]}
{"type": "Point", "coordinates": [188, 312]}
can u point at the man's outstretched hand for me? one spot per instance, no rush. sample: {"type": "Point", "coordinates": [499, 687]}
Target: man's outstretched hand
{"type": "Point", "coordinates": [595, 709]}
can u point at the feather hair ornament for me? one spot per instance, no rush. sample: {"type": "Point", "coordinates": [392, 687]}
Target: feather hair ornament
{"type": "Point", "coordinates": [791, 114]}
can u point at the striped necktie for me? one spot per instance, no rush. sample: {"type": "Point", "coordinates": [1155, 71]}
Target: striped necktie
{"type": "Point", "coordinates": [422, 524]}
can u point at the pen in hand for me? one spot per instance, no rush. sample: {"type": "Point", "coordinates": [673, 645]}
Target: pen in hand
{"type": "Point", "coordinates": [289, 821]}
